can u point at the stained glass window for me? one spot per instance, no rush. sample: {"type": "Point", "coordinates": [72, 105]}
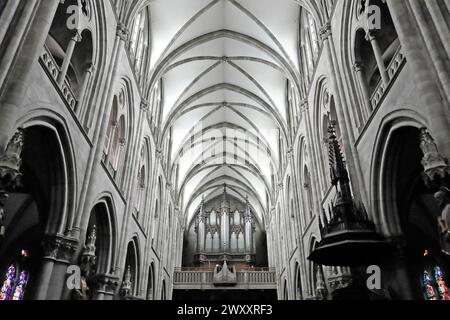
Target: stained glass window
{"type": "Point", "coordinates": [441, 285]}
{"type": "Point", "coordinates": [428, 284]}
{"type": "Point", "coordinates": [8, 284]}
{"type": "Point", "coordinates": [16, 279]}
{"type": "Point", "coordinates": [21, 285]}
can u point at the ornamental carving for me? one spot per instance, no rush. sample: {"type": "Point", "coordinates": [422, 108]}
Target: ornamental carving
{"type": "Point", "coordinates": [59, 248]}
{"type": "Point", "coordinates": [437, 170]}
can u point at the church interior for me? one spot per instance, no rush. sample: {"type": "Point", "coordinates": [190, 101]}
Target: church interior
{"type": "Point", "coordinates": [224, 150]}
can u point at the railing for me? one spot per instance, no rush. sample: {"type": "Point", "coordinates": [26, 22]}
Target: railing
{"type": "Point", "coordinates": [393, 69]}
{"type": "Point", "coordinates": [53, 70]}
{"type": "Point", "coordinates": [193, 277]}
{"type": "Point", "coordinates": [212, 267]}
{"type": "Point", "coordinates": [253, 277]}
{"type": "Point", "coordinates": [204, 277]}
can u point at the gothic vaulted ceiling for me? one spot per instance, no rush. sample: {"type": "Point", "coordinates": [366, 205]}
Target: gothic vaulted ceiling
{"type": "Point", "coordinates": [224, 67]}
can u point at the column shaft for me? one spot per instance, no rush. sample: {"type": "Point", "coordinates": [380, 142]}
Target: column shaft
{"type": "Point", "coordinates": [14, 92]}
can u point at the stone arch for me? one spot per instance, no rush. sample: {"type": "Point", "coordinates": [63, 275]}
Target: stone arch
{"type": "Point", "coordinates": [404, 207]}
{"type": "Point", "coordinates": [40, 209]}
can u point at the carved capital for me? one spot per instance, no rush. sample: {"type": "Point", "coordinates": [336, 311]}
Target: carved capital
{"type": "Point", "coordinates": [145, 105]}
{"type": "Point", "coordinates": [77, 37]}
{"type": "Point", "coordinates": [371, 35]}
{"type": "Point", "coordinates": [90, 67]}
{"type": "Point", "coordinates": [304, 106]}
{"type": "Point", "coordinates": [290, 152]}
{"type": "Point", "coordinates": [358, 67]}
{"type": "Point", "coordinates": [325, 31]}
{"type": "Point", "coordinates": [122, 32]}
{"type": "Point", "coordinates": [105, 283]}
{"type": "Point", "coordinates": [59, 248]}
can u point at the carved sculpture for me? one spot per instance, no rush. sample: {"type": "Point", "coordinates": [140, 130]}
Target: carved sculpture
{"type": "Point", "coordinates": [127, 284]}
{"type": "Point", "coordinates": [10, 176]}
{"type": "Point", "coordinates": [321, 289]}
{"type": "Point", "coordinates": [443, 199]}
{"type": "Point", "coordinates": [88, 261]}
{"type": "Point", "coordinates": [437, 170]}
{"type": "Point", "coordinates": [88, 257]}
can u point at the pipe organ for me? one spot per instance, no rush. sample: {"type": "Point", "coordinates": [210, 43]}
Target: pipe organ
{"type": "Point", "coordinates": [225, 234]}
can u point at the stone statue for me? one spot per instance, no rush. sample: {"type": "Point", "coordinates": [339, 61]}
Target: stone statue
{"type": "Point", "coordinates": [83, 293]}
{"type": "Point", "coordinates": [11, 158]}
{"type": "Point", "coordinates": [88, 258]}
{"type": "Point", "coordinates": [321, 289]}
{"type": "Point", "coordinates": [88, 261]}
{"type": "Point", "coordinates": [435, 164]}
{"type": "Point", "coordinates": [127, 284]}
{"type": "Point", "coordinates": [443, 199]}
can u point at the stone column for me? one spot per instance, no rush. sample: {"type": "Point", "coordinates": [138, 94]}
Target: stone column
{"type": "Point", "coordinates": [51, 280]}
{"type": "Point", "coordinates": [15, 89]}
{"type": "Point", "coordinates": [15, 34]}
{"type": "Point", "coordinates": [379, 57]}
{"type": "Point", "coordinates": [7, 16]}
{"type": "Point", "coordinates": [433, 106]}
{"type": "Point", "coordinates": [69, 53]}
{"type": "Point", "coordinates": [432, 34]}
{"type": "Point", "coordinates": [352, 155]}
{"type": "Point", "coordinates": [201, 230]}
{"type": "Point", "coordinates": [248, 230]}
{"type": "Point", "coordinates": [81, 108]}
{"type": "Point", "coordinates": [225, 227]}
{"type": "Point", "coordinates": [359, 70]}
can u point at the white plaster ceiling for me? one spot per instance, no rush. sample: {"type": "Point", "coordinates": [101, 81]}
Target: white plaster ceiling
{"type": "Point", "coordinates": [224, 66]}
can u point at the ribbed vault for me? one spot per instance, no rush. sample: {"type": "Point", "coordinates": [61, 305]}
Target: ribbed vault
{"type": "Point", "coordinates": [224, 69]}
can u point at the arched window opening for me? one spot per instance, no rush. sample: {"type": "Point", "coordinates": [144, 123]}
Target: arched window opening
{"type": "Point", "coordinates": [141, 184]}
{"type": "Point", "coordinates": [118, 144]}
{"type": "Point", "coordinates": [140, 41]}
{"type": "Point", "coordinates": [151, 281]}
{"type": "Point", "coordinates": [285, 290]}
{"type": "Point", "coordinates": [129, 288]}
{"type": "Point", "coordinates": [376, 49]}
{"type": "Point", "coordinates": [68, 55]}
{"type": "Point", "coordinates": [112, 125]}
{"type": "Point", "coordinates": [298, 282]}
{"type": "Point", "coordinates": [309, 43]}
{"type": "Point", "coordinates": [308, 195]}
{"type": "Point", "coordinates": [163, 291]}
{"type": "Point", "coordinates": [116, 137]}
